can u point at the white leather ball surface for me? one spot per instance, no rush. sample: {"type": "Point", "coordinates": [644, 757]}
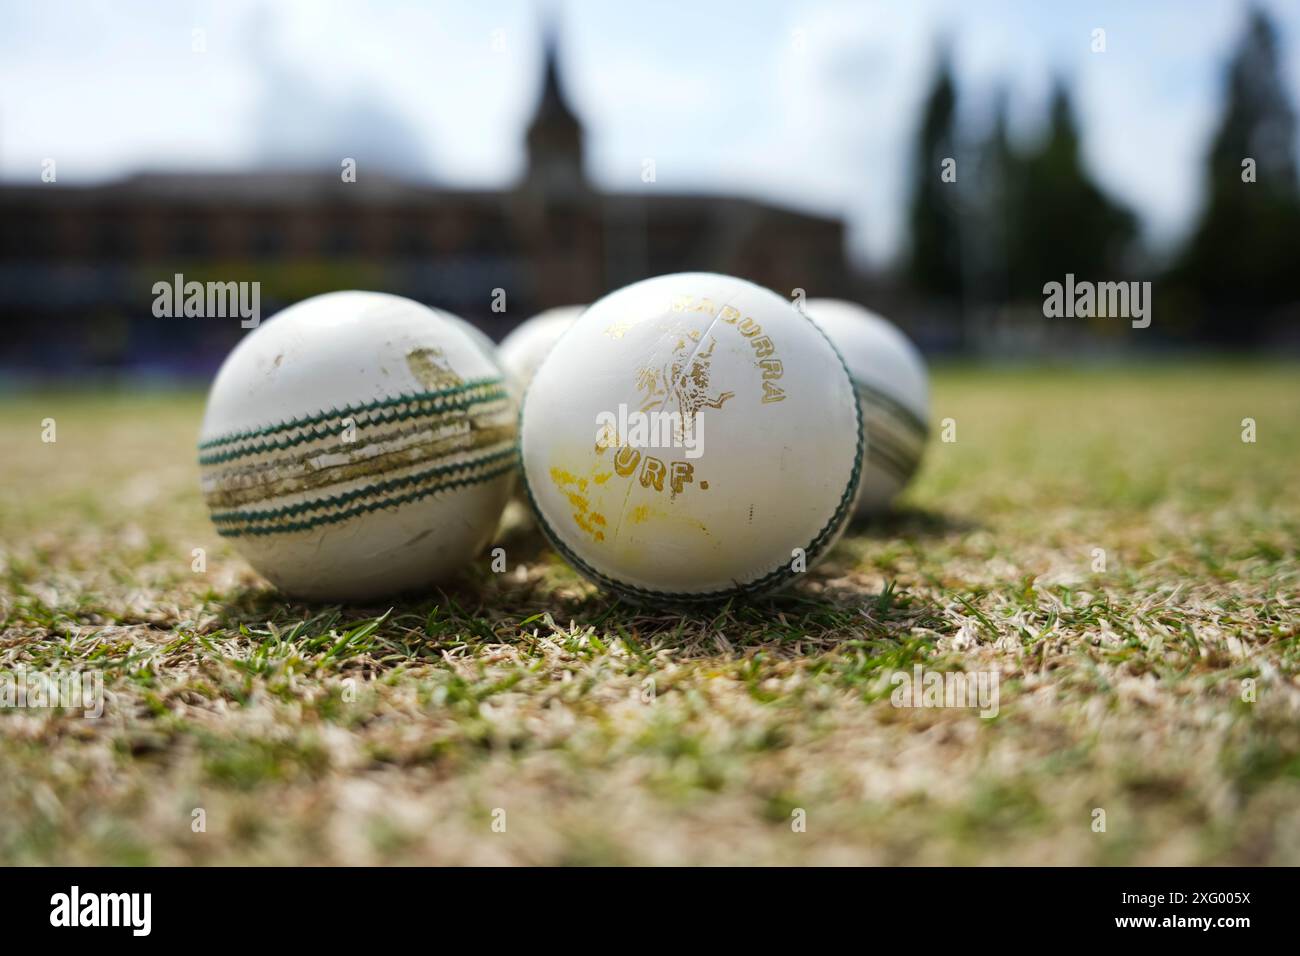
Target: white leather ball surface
{"type": "Point", "coordinates": [761, 392]}
{"type": "Point", "coordinates": [523, 350]}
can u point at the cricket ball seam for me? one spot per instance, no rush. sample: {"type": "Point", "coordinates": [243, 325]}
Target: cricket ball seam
{"type": "Point", "coordinates": [899, 456]}
{"type": "Point", "coordinates": [874, 396]}
{"type": "Point", "coordinates": [322, 466]}
{"type": "Point", "coordinates": [379, 505]}
{"type": "Point", "coordinates": [494, 387]}
{"type": "Point", "coordinates": [365, 491]}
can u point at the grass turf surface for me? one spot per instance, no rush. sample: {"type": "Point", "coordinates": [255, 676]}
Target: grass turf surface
{"type": "Point", "coordinates": [600, 733]}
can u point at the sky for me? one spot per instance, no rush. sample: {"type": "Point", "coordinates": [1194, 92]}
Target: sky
{"type": "Point", "coordinates": [811, 105]}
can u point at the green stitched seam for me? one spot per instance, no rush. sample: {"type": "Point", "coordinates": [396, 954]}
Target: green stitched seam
{"type": "Point", "coordinates": [321, 520]}
{"type": "Point", "coordinates": [495, 419]}
{"type": "Point", "coordinates": [382, 417]}
{"type": "Point", "coordinates": [897, 470]}
{"type": "Point", "coordinates": [883, 448]}
{"type": "Point", "coordinates": [380, 488]}
{"type": "Point", "coordinates": [347, 410]}
{"type": "Point", "coordinates": [878, 398]}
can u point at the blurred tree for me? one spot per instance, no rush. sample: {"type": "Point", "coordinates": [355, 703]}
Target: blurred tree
{"type": "Point", "coordinates": [989, 204]}
{"type": "Point", "coordinates": [1029, 217]}
{"type": "Point", "coordinates": [1239, 266]}
{"type": "Point", "coordinates": [934, 264]}
{"type": "Point", "coordinates": [1057, 220]}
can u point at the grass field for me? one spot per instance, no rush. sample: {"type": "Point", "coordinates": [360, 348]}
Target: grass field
{"type": "Point", "coordinates": [526, 718]}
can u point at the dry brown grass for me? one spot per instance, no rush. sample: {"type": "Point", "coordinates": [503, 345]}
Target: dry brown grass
{"type": "Point", "coordinates": [611, 734]}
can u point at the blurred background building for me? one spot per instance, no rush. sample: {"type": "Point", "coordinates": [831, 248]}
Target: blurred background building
{"type": "Point", "coordinates": [78, 259]}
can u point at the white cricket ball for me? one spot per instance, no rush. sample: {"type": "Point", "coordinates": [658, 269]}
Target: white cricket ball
{"type": "Point", "coordinates": [528, 343]}
{"type": "Point", "coordinates": [357, 444]}
{"type": "Point", "coordinates": [893, 389]}
{"type": "Point", "coordinates": [692, 437]}
{"type": "Point", "coordinates": [481, 338]}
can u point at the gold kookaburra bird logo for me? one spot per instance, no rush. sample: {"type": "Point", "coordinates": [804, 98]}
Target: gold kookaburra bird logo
{"type": "Point", "coordinates": [684, 379]}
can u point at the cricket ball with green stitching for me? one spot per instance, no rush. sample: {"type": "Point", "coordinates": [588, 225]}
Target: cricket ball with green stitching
{"type": "Point", "coordinates": [358, 444]}
{"type": "Point", "coordinates": [893, 389]}
{"type": "Point", "coordinates": [692, 437]}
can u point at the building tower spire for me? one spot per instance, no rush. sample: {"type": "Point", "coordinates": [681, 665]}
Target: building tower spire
{"type": "Point", "coordinates": [555, 137]}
